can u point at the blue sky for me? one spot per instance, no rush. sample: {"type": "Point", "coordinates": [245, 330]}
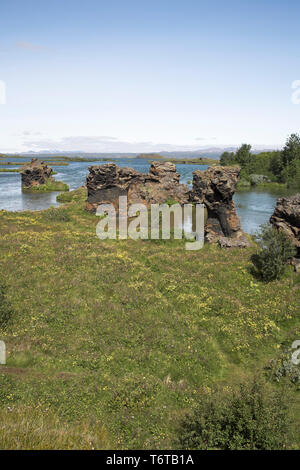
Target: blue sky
{"type": "Point", "coordinates": [147, 75]}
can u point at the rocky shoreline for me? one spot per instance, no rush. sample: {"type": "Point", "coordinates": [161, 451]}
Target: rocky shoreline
{"type": "Point", "coordinates": [214, 187]}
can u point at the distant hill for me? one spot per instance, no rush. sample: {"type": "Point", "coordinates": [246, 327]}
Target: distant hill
{"type": "Point", "coordinates": [204, 152]}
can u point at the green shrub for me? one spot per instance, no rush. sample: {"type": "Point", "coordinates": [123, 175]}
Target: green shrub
{"type": "Point", "coordinates": [249, 419]}
{"type": "Point", "coordinates": [275, 249]}
{"type": "Point", "coordinates": [5, 309]}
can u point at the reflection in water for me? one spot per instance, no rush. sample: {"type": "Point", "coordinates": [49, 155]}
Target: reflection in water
{"type": "Point", "coordinates": [254, 207]}
{"type": "Point", "coordinates": [13, 199]}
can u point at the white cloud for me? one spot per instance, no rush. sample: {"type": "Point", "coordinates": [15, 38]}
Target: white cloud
{"type": "Point", "coordinates": [30, 133]}
{"type": "Point", "coordinates": [29, 46]}
{"type": "Point", "coordinates": [102, 144]}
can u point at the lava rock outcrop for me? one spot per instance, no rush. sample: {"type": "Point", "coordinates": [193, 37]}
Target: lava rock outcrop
{"type": "Point", "coordinates": [286, 217]}
{"type": "Point", "coordinates": [35, 173]}
{"type": "Point", "coordinates": [106, 183]}
{"type": "Point", "coordinates": [215, 188]}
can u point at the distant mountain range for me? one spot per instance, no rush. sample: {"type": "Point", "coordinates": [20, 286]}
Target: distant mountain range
{"type": "Point", "coordinates": [209, 152]}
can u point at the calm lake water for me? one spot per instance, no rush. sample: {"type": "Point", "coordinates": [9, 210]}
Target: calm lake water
{"type": "Point", "coordinates": [254, 207]}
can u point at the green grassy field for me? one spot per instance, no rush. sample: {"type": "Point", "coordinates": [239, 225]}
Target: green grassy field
{"type": "Point", "coordinates": [111, 342]}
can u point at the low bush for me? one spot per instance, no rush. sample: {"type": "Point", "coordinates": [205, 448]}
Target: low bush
{"type": "Point", "coordinates": [275, 249]}
{"type": "Point", "coordinates": [57, 214]}
{"type": "Point", "coordinates": [250, 419]}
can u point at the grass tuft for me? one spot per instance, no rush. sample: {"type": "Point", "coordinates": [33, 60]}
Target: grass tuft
{"type": "Point", "coordinates": [50, 185]}
{"type": "Point", "coordinates": [26, 428]}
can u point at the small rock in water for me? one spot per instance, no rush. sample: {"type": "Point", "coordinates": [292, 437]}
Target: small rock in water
{"type": "Point", "coordinates": [35, 173]}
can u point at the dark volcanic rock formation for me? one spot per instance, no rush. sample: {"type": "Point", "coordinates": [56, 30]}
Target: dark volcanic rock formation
{"type": "Point", "coordinates": [286, 217]}
{"type": "Point", "coordinates": [215, 188]}
{"type": "Point", "coordinates": [35, 173]}
{"type": "Point", "coordinates": [105, 183]}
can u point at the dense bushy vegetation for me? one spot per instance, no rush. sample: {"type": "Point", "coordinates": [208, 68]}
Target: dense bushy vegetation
{"type": "Point", "coordinates": [280, 166]}
{"type": "Point", "coordinates": [275, 249]}
{"type": "Point", "coordinates": [250, 419]}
